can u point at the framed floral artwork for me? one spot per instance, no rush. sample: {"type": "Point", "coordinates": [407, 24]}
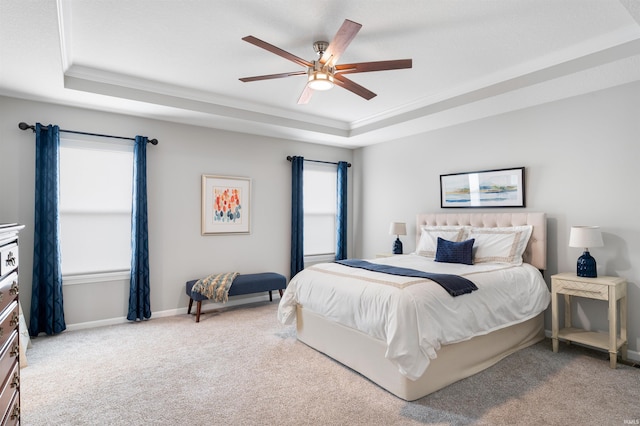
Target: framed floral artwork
{"type": "Point", "coordinates": [226, 205]}
{"type": "Point", "coordinates": [488, 188]}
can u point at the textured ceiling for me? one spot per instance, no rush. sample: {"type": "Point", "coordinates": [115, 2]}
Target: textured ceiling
{"type": "Point", "coordinates": [181, 60]}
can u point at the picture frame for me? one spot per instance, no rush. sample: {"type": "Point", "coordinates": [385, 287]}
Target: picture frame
{"type": "Point", "coordinates": [482, 189]}
{"type": "Point", "coordinates": [226, 205]}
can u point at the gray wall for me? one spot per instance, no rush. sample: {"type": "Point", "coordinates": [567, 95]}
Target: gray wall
{"type": "Point", "coordinates": [580, 155]}
{"type": "Point", "coordinates": [174, 167]}
{"type": "Point", "coordinates": [581, 158]}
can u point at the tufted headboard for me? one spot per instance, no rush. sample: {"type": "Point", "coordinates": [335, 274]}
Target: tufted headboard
{"type": "Point", "coordinates": [536, 251]}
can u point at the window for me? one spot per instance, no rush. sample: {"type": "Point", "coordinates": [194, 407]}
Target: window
{"type": "Point", "coordinates": [95, 206]}
{"type": "Point", "coordinates": [320, 201]}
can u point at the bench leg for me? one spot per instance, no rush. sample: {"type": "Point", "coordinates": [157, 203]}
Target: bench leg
{"type": "Point", "coordinates": [198, 309]}
{"type": "Point", "coordinates": [190, 305]}
{"type": "Point", "coordinates": [271, 296]}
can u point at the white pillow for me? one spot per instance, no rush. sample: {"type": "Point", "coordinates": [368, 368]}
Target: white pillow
{"type": "Point", "coordinates": [500, 245]}
{"type": "Point", "coordinates": [429, 238]}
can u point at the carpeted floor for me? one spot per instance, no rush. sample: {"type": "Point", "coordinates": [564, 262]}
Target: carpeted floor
{"type": "Point", "coordinates": [239, 366]}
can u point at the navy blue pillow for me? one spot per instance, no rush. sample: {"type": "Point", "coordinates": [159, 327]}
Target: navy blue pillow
{"type": "Point", "coordinates": [452, 252]}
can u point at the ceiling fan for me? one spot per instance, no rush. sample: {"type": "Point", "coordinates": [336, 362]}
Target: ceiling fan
{"type": "Point", "coordinates": [323, 73]}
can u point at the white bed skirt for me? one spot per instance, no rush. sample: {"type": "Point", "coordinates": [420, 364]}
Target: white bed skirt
{"type": "Point", "coordinates": [365, 354]}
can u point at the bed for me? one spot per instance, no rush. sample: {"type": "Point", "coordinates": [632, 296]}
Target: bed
{"type": "Point", "coordinates": [407, 334]}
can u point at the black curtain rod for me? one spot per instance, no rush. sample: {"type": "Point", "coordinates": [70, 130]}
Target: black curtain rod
{"type": "Point", "coordinates": [24, 126]}
{"type": "Point", "coordinates": [289, 158]}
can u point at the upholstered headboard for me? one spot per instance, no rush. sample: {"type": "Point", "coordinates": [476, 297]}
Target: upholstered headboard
{"type": "Point", "coordinates": [536, 251]}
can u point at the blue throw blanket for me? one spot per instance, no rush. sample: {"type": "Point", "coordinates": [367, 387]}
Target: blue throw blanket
{"type": "Point", "coordinates": [455, 285]}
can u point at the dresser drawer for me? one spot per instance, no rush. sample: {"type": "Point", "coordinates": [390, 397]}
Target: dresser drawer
{"type": "Point", "coordinates": [8, 258]}
{"type": "Point", "coordinates": [8, 322]}
{"type": "Point", "coordinates": [12, 416]}
{"type": "Point", "coordinates": [8, 290]}
{"type": "Point", "coordinates": [9, 355]}
{"type": "Point", "coordinates": [9, 392]}
{"type": "Point", "coordinates": [583, 289]}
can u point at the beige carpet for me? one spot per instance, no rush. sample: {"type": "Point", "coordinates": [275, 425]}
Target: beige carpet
{"type": "Point", "coordinates": [239, 366]}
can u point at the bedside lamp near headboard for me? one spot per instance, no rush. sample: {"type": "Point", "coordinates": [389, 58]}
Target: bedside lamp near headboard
{"type": "Point", "coordinates": [585, 237]}
{"type": "Point", "coordinates": [397, 229]}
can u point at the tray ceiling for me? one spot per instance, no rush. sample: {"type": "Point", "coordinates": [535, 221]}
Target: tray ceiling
{"type": "Point", "coordinates": [181, 61]}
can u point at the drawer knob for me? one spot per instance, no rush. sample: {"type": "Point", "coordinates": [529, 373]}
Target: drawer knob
{"type": "Point", "coordinates": [14, 319]}
{"type": "Point", "coordinates": [11, 259]}
{"type": "Point", "coordinates": [14, 288]}
{"type": "Point", "coordinates": [15, 350]}
{"type": "Point", "coordinates": [15, 413]}
{"type": "Point", "coordinates": [15, 382]}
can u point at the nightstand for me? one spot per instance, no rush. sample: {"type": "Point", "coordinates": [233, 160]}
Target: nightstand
{"type": "Point", "coordinates": [611, 289]}
{"type": "Point", "coordinates": [381, 255]}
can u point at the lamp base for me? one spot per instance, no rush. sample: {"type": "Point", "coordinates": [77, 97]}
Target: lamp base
{"type": "Point", "coordinates": [397, 246]}
{"type": "Point", "coordinates": [587, 266]}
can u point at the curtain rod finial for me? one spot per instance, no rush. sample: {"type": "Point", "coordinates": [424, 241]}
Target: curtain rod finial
{"type": "Point", "coordinates": [24, 126]}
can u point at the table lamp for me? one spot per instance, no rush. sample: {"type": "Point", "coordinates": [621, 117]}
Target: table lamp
{"type": "Point", "coordinates": [585, 237]}
{"type": "Point", "coordinates": [397, 229]}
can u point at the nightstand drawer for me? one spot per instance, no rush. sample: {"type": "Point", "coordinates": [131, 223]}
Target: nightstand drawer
{"type": "Point", "coordinates": [582, 289]}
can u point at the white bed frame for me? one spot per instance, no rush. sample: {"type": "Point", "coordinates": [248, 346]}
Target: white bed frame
{"type": "Point", "coordinates": [365, 354]}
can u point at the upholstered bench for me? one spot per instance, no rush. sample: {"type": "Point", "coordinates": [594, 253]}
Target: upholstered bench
{"type": "Point", "coordinates": [242, 284]}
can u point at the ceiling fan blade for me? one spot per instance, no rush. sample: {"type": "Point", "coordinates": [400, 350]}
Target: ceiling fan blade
{"type": "Point", "coordinates": [273, 49]}
{"type": "Point", "coordinates": [341, 40]}
{"type": "Point", "coordinates": [305, 96]}
{"type": "Point", "coordinates": [351, 86]}
{"type": "Point", "coordinates": [272, 76]}
{"type": "Point", "coordinates": [374, 66]}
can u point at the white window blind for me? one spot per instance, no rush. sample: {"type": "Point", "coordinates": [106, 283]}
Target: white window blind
{"type": "Point", "coordinates": [95, 205]}
{"type": "Point", "coordinates": [320, 201]}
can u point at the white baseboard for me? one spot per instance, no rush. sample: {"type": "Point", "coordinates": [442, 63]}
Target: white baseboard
{"type": "Point", "coordinates": [206, 306]}
{"type": "Point", "coordinates": [631, 355]}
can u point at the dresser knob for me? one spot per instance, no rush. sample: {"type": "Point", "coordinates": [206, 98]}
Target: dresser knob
{"type": "Point", "coordinates": [14, 288]}
{"type": "Point", "coordinates": [14, 319]}
{"type": "Point", "coordinates": [15, 413]}
{"type": "Point", "coordinates": [15, 382]}
{"type": "Point", "coordinates": [15, 351]}
{"type": "Point", "coordinates": [11, 259]}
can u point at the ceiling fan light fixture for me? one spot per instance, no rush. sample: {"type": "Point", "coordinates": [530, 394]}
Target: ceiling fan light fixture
{"type": "Point", "coordinates": [319, 80]}
{"type": "Point", "coordinates": [320, 77]}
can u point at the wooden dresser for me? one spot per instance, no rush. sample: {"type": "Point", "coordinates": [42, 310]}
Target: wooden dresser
{"type": "Point", "coordinates": [9, 323]}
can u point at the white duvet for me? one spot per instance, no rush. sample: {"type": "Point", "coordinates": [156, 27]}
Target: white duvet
{"type": "Point", "coordinates": [415, 316]}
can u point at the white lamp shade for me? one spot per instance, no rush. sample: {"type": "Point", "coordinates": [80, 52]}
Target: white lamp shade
{"type": "Point", "coordinates": [398, 228]}
{"type": "Point", "coordinates": [585, 237]}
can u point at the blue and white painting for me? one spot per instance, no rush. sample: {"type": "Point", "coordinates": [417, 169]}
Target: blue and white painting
{"type": "Point", "coordinates": [495, 188]}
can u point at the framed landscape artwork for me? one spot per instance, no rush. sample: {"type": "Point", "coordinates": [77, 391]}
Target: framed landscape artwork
{"type": "Point", "coordinates": [226, 205]}
{"type": "Point", "coordinates": [489, 188]}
